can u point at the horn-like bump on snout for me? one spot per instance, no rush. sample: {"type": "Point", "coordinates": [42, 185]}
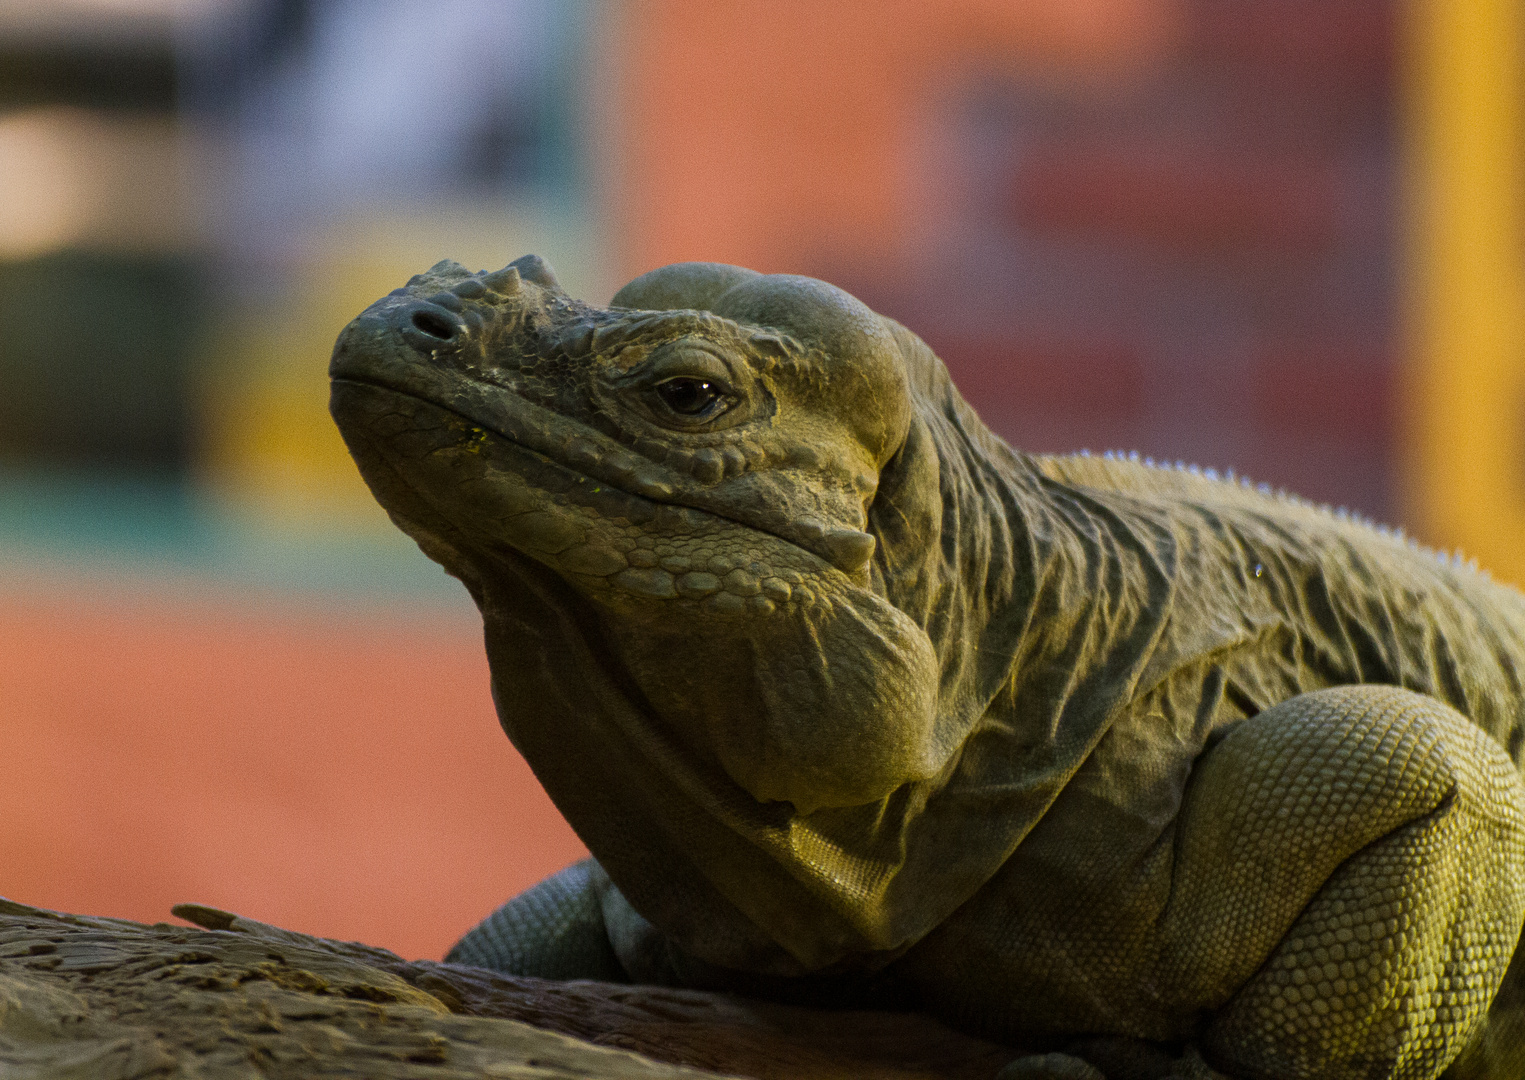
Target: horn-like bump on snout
{"type": "Point", "coordinates": [534, 268]}
{"type": "Point", "coordinates": [505, 282]}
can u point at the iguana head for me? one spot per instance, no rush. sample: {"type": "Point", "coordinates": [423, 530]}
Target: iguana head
{"type": "Point", "coordinates": [690, 477]}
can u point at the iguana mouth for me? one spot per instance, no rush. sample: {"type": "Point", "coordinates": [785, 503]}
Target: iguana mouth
{"type": "Point", "coordinates": [584, 452]}
{"type": "Point", "coordinates": [615, 492]}
{"type": "Point", "coordinates": [541, 431]}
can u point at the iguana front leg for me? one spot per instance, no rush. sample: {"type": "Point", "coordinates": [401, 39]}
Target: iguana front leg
{"type": "Point", "coordinates": [573, 925]}
{"type": "Point", "coordinates": [1350, 886]}
{"type": "Point", "coordinates": [555, 930]}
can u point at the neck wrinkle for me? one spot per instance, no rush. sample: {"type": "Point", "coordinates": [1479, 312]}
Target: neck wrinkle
{"type": "Point", "coordinates": [955, 550]}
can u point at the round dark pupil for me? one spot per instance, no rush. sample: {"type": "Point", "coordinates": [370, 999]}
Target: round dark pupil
{"type": "Point", "coordinates": [688, 396]}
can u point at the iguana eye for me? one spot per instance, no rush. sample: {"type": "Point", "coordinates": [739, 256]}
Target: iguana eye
{"type": "Point", "coordinates": [689, 396]}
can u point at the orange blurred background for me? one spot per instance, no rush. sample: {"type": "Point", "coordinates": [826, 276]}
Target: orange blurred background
{"type": "Point", "coordinates": [1280, 237]}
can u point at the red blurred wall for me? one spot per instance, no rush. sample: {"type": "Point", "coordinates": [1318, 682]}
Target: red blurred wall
{"type": "Point", "coordinates": [340, 773]}
{"type": "Point", "coordinates": [768, 135]}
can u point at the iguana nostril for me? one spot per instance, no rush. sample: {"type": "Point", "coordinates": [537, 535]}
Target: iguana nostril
{"type": "Point", "coordinates": [435, 324]}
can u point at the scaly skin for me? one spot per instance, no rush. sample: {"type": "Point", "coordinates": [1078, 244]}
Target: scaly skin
{"type": "Point", "coordinates": [1146, 772]}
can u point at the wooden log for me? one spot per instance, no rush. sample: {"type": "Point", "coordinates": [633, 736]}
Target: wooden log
{"type": "Point", "coordinates": [116, 1000]}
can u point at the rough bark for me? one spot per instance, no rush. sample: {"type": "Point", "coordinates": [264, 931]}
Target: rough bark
{"type": "Point", "coordinates": [110, 999]}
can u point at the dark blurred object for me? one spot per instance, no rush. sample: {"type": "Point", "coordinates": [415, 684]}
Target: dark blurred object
{"type": "Point", "coordinates": [95, 351]}
{"type": "Point", "coordinates": [100, 303]}
{"type": "Point", "coordinates": [93, 73]}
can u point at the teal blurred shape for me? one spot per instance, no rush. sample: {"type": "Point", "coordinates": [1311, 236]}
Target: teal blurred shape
{"type": "Point", "coordinates": [96, 350]}
{"type": "Point", "coordinates": [161, 531]}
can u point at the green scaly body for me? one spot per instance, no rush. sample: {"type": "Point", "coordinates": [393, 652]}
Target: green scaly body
{"type": "Point", "coordinates": [1146, 772]}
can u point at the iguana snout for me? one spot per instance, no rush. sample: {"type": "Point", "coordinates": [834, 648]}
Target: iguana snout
{"type": "Point", "coordinates": [696, 465]}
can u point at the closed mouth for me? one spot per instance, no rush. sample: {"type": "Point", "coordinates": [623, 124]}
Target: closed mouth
{"type": "Point", "coordinates": [536, 434]}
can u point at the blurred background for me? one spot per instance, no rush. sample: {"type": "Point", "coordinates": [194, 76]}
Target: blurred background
{"type": "Point", "coordinates": [1278, 236]}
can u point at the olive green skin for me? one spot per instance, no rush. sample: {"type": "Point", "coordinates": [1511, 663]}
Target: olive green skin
{"type": "Point", "coordinates": [855, 704]}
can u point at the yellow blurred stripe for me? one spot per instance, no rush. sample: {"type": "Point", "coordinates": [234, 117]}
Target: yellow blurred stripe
{"type": "Point", "coordinates": [1464, 417]}
{"type": "Point", "coordinates": [269, 439]}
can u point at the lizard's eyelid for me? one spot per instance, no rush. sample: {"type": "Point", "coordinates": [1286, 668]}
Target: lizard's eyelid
{"type": "Point", "coordinates": [689, 363]}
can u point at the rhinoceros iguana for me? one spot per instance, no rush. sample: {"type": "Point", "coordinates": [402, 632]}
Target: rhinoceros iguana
{"type": "Point", "coordinates": [1145, 771]}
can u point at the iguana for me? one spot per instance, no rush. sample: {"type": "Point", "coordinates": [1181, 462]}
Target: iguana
{"type": "Point", "coordinates": [1142, 770]}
